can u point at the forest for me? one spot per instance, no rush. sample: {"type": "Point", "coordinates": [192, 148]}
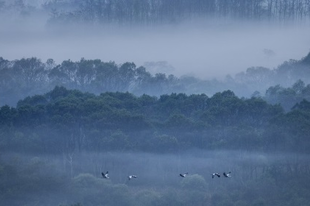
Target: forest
{"type": "Point", "coordinates": [54, 147]}
{"type": "Point", "coordinates": [174, 11]}
{"type": "Point", "coordinates": [75, 126]}
{"type": "Point", "coordinates": [156, 12]}
{"type": "Point", "coordinates": [62, 125]}
{"type": "Point", "coordinates": [65, 120]}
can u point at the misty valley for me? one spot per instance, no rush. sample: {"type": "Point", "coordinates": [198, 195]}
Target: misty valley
{"type": "Point", "coordinates": [55, 146]}
{"type": "Point", "coordinates": [154, 102]}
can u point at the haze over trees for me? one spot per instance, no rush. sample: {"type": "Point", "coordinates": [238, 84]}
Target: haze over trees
{"type": "Point", "coordinates": [66, 138]}
{"type": "Point", "coordinates": [63, 30]}
{"type": "Point", "coordinates": [145, 12]}
{"type": "Point", "coordinates": [26, 77]}
{"type": "Point", "coordinates": [93, 86]}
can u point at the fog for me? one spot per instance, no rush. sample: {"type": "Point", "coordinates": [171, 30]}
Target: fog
{"type": "Point", "coordinates": [251, 173]}
{"type": "Point", "coordinates": [203, 49]}
{"type": "Point", "coordinates": [162, 170]}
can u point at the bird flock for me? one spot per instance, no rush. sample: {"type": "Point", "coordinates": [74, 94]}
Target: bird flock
{"type": "Point", "coordinates": [106, 175]}
{"type": "Point", "coordinates": [224, 174]}
{"type": "Point", "coordinates": [227, 175]}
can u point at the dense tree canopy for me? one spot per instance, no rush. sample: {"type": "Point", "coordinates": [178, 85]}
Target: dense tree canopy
{"type": "Point", "coordinates": [65, 120]}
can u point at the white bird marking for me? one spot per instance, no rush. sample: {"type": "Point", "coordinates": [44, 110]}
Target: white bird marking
{"type": "Point", "coordinates": [216, 174]}
{"type": "Point", "coordinates": [184, 174]}
{"type": "Point", "coordinates": [131, 176]}
{"type": "Point", "coordinates": [105, 175]}
{"type": "Point", "coordinates": [227, 174]}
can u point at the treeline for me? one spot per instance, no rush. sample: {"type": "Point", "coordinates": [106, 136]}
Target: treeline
{"type": "Point", "coordinates": [144, 12]}
{"type": "Point", "coordinates": [31, 76]}
{"type": "Point", "coordinates": [67, 121]}
{"type": "Point", "coordinates": [172, 11]}
{"type": "Point", "coordinates": [24, 77]}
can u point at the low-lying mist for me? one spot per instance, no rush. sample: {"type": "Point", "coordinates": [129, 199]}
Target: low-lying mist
{"type": "Point", "coordinates": [75, 179]}
{"type": "Point", "coordinates": [204, 49]}
{"type": "Point", "coordinates": [163, 169]}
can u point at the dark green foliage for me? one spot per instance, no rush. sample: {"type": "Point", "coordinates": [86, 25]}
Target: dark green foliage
{"type": "Point", "coordinates": [65, 120]}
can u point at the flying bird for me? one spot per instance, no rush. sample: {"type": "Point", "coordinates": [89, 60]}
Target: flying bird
{"type": "Point", "coordinates": [216, 174]}
{"type": "Point", "coordinates": [184, 174]}
{"type": "Point", "coordinates": [131, 176]}
{"type": "Point", "coordinates": [227, 174]}
{"type": "Point", "coordinates": [105, 175]}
